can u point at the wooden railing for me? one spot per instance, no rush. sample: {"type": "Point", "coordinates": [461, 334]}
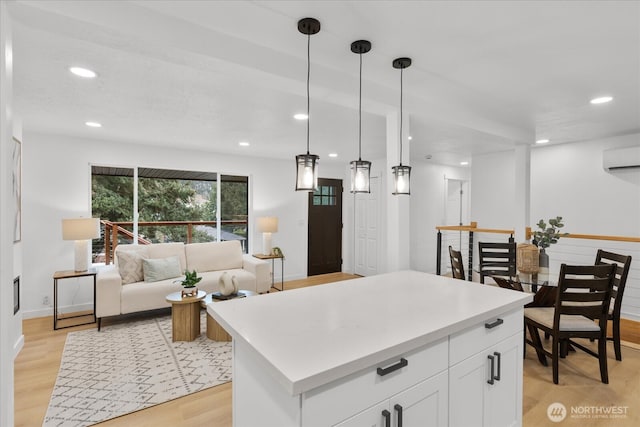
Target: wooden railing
{"type": "Point", "coordinates": [529, 234]}
{"type": "Point", "coordinates": [113, 230]}
{"type": "Point", "coordinates": [471, 229]}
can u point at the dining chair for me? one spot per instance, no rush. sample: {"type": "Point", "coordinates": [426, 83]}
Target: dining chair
{"type": "Point", "coordinates": [457, 267]}
{"type": "Point", "coordinates": [588, 284]}
{"type": "Point", "coordinates": [497, 259]}
{"type": "Point", "coordinates": [623, 263]}
{"type": "Point", "coordinates": [508, 283]}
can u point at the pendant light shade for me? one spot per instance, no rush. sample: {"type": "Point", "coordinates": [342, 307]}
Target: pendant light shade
{"type": "Point", "coordinates": [307, 164]}
{"type": "Point", "coordinates": [360, 169]}
{"type": "Point", "coordinates": [306, 172]}
{"type": "Point", "coordinates": [401, 174]}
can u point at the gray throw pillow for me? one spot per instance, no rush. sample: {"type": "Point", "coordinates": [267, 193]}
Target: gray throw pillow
{"type": "Point", "coordinates": [161, 268]}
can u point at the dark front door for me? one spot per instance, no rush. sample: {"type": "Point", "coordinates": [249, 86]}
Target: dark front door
{"type": "Point", "coordinates": [325, 228]}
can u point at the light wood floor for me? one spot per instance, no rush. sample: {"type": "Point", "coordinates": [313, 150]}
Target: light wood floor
{"type": "Point", "coordinates": [36, 368]}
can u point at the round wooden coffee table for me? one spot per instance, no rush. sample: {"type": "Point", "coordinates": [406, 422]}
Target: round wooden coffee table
{"type": "Point", "coordinates": [185, 316]}
{"type": "Point", "coordinates": [216, 332]}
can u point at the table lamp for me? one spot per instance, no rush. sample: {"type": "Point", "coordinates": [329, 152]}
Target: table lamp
{"type": "Point", "coordinates": [81, 230]}
{"type": "Point", "coordinates": [267, 225]}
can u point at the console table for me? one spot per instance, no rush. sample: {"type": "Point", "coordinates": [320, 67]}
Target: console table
{"type": "Point", "coordinates": [273, 258]}
{"type": "Point", "coordinates": [70, 274]}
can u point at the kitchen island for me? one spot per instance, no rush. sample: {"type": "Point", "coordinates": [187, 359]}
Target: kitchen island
{"type": "Point", "coordinates": [391, 349]}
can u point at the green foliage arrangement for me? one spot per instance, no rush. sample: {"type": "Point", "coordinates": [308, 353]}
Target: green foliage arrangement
{"type": "Point", "coordinates": [190, 279]}
{"type": "Point", "coordinates": [548, 234]}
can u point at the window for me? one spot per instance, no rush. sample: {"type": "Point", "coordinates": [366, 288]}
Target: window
{"type": "Point", "coordinates": [172, 206]}
{"type": "Point", "coordinates": [325, 195]}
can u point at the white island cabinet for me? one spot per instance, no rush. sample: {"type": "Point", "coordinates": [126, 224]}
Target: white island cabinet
{"type": "Point", "coordinates": [400, 349]}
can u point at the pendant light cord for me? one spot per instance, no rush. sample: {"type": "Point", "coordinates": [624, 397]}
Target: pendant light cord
{"type": "Point", "coordinates": [308, 77]}
{"type": "Point", "coordinates": [360, 113]}
{"type": "Point", "coordinates": [401, 70]}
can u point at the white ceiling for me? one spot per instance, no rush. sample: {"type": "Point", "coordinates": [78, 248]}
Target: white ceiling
{"type": "Point", "coordinates": [486, 75]}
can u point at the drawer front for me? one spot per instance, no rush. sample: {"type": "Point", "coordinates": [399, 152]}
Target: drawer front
{"type": "Point", "coordinates": [482, 336]}
{"type": "Point", "coordinates": [343, 398]}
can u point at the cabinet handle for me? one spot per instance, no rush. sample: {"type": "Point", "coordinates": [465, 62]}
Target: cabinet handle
{"type": "Point", "coordinates": [401, 364]}
{"type": "Point", "coordinates": [492, 325]}
{"type": "Point", "coordinates": [498, 355]}
{"type": "Point", "coordinates": [398, 409]}
{"type": "Point", "coordinates": [387, 418]}
{"type": "Point", "coordinates": [493, 362]}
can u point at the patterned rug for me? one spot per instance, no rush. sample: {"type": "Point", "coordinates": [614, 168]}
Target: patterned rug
{"type": "Point", "coordinates": [131, 366]}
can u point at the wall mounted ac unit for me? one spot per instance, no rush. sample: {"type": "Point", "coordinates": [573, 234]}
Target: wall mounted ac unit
{"type": "Point", "coordinates": [621, 158]}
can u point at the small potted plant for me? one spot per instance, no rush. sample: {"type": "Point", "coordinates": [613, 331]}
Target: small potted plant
{"type": "Point", "coordinates": [189, 283]}
{"type": "Point", "coordinates": [547, 235]}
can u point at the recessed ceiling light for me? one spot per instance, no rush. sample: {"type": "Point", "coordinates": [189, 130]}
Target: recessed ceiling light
{"type": "Point", "coordinates": [542, 141]}
{"type": "Point", "coordinates": [300, 116]}
{"type": "Point", "coordinates": [93, 124]}
{"type": "Point", "coordinates": [83, 72]}
{"type": "Point", "coordinates": [602, 100]}
{"type": "Point", "coordinates": [409, 137]}
{"type": "Point", "coordinates": [464, 163]}
{"type": "Point", "coordinates": [333, 154]}
{"type": "Point", "coordinates": [243, 144]}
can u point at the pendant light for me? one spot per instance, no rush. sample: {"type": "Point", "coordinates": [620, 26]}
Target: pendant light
{"type": "Point", "coordinates": [360, 169]}
{"type": "Point", "coordinates": [401, 174]}
{"type": "Point", "coordinates": [307, 164]}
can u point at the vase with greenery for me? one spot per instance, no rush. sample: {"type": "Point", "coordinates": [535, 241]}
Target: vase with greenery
{"type": "Point", "coordinates": [545, 236]}
{"type": "Point", "coordinates": [189, 283]}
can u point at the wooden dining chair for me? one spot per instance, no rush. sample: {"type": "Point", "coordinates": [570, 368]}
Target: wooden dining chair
{"type": "Point", "coordinates": [623, 263]}
{"type": "Point", "coordinates": [508, 283]}
{"type": "Point", "coordinates": [589, 285]}
{"type": "Point", "coordinates": [497, 259]}
{"type": "Point", "coordinates": [457, 267]}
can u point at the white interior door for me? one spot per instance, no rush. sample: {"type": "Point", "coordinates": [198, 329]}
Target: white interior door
{"type": "Point", "coordinates": [456, 213]}
{"type": "Point", "coordinates": [367, 218]}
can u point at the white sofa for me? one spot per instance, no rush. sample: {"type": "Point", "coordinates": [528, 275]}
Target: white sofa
{"type": "Point", "coordinates": [121, 288]}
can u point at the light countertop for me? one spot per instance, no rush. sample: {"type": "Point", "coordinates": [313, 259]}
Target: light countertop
{"type": "Point", "coordinates": [315, 335]}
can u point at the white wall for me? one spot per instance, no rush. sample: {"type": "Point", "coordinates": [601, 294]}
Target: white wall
{"type": "Point", "coordinates": [567, 180]}
{"type": "Point", "coordinates": [493, 190]}
{"type": "Point", "coordinates": [428, 199]}
{"type": "Point", "coordinates": [56, 185]}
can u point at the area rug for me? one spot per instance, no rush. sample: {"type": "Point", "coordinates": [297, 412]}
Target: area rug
{"type": "Point", "coordinates": [131, 366]}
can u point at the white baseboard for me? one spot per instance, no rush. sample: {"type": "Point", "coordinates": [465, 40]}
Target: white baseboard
{"type": "Point", "coordinates": [17, 347]}
{"type": "Point", "coordinates": [48, 311]}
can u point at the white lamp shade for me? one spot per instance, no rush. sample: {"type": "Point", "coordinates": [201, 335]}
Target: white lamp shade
{"type": "Point", "coordinates": [268, 224]}
{"type": "Point", "coordinates": [80, 228]}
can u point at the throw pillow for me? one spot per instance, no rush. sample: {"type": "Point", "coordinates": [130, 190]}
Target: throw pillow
{"type": "Point", "coordinates": [161, 268]}
{"type": "Point", "coordinates": [130, 267]}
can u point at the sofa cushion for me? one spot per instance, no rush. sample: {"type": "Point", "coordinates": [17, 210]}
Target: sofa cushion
{"type": "Point", "coordinates": [128, 258]}
{"type": "Point", "coordinates": [214, 256]}
{"type": "Point", "coordinates": [157, 269]}
{"type": "Point", "coordinates": [165, 250]}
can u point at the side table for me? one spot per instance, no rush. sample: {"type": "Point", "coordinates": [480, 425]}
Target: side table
{"type": "Point", "coordinates": [216, 332]}
{"type": "Point", "coordinates": [185, 316]}
{"type": "Point", "coordinates": [273, 258]}
{"type": "Point", "coordinates": [70, 274]}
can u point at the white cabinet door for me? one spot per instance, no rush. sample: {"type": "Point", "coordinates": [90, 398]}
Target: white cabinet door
{"type": "Point", "coordinates": [424, 404]}
{"type": "Point", "coordinates": [504, 403]}
{"type": "Point", "coordinates": [474, 401]}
